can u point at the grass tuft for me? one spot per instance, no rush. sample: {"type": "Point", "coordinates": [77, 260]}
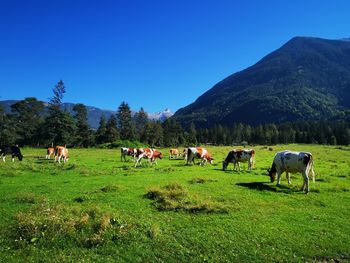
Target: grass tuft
{"type": "Point", "coordinates": [109, 188]}
{"type": "Point", "coordinates": [47, 226]}
{"type": "Point", "coordinates": [26, 198]}
{"type": "Point", "coordinates": [200, 180]}
{"type": "Point", "coordinates": [174, 197]}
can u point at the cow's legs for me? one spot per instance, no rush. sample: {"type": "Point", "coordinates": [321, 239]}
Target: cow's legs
{"type": "Point", "coordinates": [3, 158]}
{"type": "Point", "coordinates": [138, 161]}
{"type": "Point", "coordinates": [278, 178]}
{"type": "Point", "coordinates": [288, 178]}
{"type": "Point", "coordinates": [306, 183]}
{"type": "Point", "coordinates": [250, 164]}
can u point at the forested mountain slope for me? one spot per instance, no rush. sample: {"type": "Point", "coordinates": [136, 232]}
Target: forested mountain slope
{"type": "Point", "coordinates": [305, 79]}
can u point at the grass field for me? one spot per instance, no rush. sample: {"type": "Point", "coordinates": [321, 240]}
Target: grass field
{"type": "Point", "coordinates": [96, 208]}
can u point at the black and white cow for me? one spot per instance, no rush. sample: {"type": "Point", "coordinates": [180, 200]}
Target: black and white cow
{"type": "Point", "coordinates": [237, 156]}
{"type": "Point", "coordinates": [13, 150]}
{"type": "Point", "coordinates": [292, 162]}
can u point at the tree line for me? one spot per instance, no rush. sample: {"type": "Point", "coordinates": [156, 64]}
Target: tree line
{"type": "Point", "coordinates": [30, 123]}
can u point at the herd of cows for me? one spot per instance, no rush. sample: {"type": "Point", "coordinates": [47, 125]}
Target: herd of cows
{"type": "Point", "coordinates": [285, 161]}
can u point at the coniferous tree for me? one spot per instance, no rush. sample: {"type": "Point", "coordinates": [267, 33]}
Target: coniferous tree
{"type": "Point", "coordinates": [101, 131]}
{"type": "Point", "coordinates": [83, 133]}
{"type": "Point", "coordinates": [192, 135]}
{"type": "Point", "coordinates": [59, 126]}
{"type": "Point", "coordinates": [8, 134]}
{"type": "Point", "coordinates": [141, 119]}
{"type": "Point", "coordinates": [112, 133]}
{"type": "Point", "coordinates": [125, 123]}
{"type": "Point", "coordinates": [153, 134]}
{"type": "Point", "coordinates": [28, 114]}
{"type": "Point", "coordinates": [173, 133]}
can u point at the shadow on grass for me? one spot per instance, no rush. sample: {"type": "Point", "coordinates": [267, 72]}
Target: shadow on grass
{"type": "Point", "coordinates": [260, 186]}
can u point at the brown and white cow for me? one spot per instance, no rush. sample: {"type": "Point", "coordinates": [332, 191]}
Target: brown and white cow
{"type": "Point", "coordinates": [127, 152]}
{"type": "Point", "coordinates": [174, 153]}
{"type": "Point", "coordinates": [50, 152]}
{"type": "Point", "coordinates": [150, 154]}
{"type": "Point", "coordinates": [61, 153]}
{"type": "Point", "coordinates": [199, 153]}
{"type": "Point", "coordinates": [239, 156]}
{"type": "Point", "coordinates": [292, 162]}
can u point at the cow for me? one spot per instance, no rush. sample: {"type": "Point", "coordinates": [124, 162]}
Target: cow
{"type": "Point", "coordinates": [174, 153]}
{"type": "Point", "coordinates": [127, 152]}
{"type": "Point", "coordinates": [61, 153]}
{"type": "Point", "coordinates": [50, 152]}
{"type": "Point", "coordinates": [237, 156]}
{"type": "Point", "coordinates": [150, 154]}
{"type": "Point", "coordinates": [199, 153]}
{"type": "Point", "coordinates": [13, 150]}
{"type": "Point", "coordinates": [292, 162]}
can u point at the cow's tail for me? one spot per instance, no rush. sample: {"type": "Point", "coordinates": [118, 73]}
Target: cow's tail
{"type": "Point", "coordinates": [311, 164]}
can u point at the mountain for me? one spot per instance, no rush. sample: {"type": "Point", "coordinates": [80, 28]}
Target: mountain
{"type": "Point", "coordinates": [161, 115]}
{"type": "Point", "coordinates": [306, 79]}
{"type": "Point", "coordinates": [94, 114]}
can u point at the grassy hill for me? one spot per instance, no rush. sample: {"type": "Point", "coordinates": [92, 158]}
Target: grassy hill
{"type": "Point", "coordinates": [96, 208]}
{"type": "Point", "coordinates": [305, 79]}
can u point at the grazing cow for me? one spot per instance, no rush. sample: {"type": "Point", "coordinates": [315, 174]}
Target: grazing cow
{"type": "Point", "coordinates": [292, 162]}
{"type": "Point", "coordinates": [199, 153]}
{"type": "Point", "coordinates": [127, 152]}
{"type": "Point", "coordinates": [174, 153]}
{"type": "Point", "coordinates": [13, 150]}
{"type": "Point", "coordinates": [50, 152]}
{"type": "Point", "coordinates": [237, 156]}
{"type": "Point", "coordinates": [61, 152]}
{"type": "Point", "coordinates": [150, 154]}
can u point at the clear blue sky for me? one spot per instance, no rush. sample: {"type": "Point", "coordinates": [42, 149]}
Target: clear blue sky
{"type": "Point", "coordinates": [151, 54]}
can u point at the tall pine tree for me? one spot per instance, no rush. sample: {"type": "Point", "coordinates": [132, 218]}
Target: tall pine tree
{"type": "Point", "coordinates": [112, 133]}
{"type": "Point", "coordinates": [83, 133]}
{"type": "Point", "coordinates": [59, 126]}
{"type": "Point", "coordinates": [101, 136]}
{"type": "Point", "coordinates": [125, 123]}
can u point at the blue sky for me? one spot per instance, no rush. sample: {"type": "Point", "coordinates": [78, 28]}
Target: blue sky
{"type": "Point", "coordinates": [151, 54]}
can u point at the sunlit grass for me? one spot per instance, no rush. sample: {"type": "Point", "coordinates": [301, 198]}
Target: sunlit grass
{"type": "Point", "coordinates": [97, 208]}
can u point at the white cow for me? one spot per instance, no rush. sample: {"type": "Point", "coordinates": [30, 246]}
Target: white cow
{"type": "Point", "coordinates": [292, 162]}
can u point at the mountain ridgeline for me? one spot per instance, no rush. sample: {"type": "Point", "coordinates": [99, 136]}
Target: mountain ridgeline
{"type": "Point", "coordinates": [305, 79]}
{"type": "Point", "coordinates": [94, 113]}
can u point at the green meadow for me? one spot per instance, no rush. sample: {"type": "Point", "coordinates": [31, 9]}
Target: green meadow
{"type": "Point", "coordinates": [96, 208]}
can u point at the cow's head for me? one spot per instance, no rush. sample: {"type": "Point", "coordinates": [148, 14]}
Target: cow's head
{"type": "Point", "coordinates": [20, 156]}
{"type": "Point", "coordinates": [224, 165]}
{"type": "Point", "coordinates": [160, 155]}
{"type": "Point", "coordinates": [210, 159]}
{"type": "Point", "coordinates": [272, 173]}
